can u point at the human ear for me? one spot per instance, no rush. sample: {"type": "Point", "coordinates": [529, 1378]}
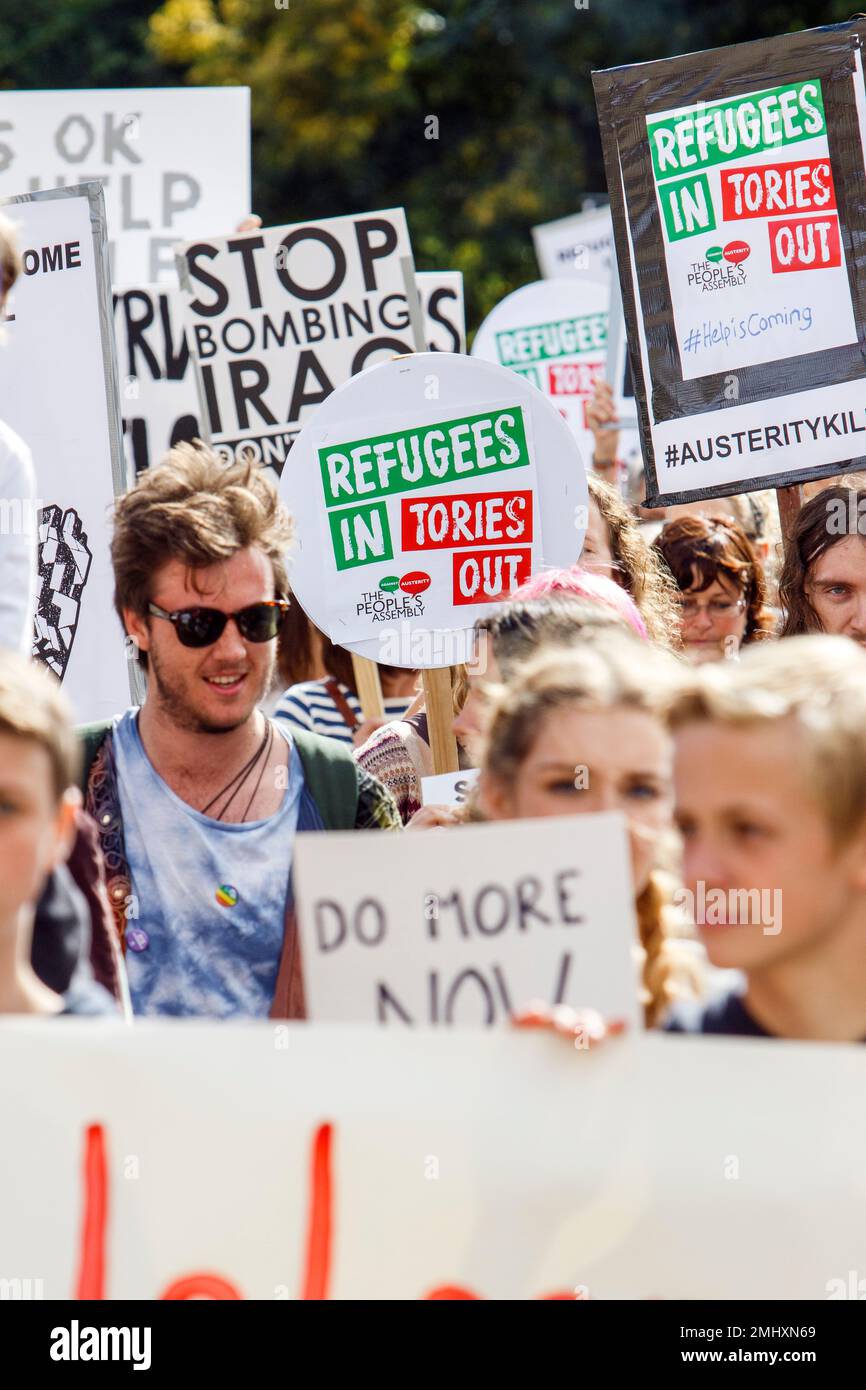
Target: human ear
{"type": "Point", "coordinates": [138, 628]}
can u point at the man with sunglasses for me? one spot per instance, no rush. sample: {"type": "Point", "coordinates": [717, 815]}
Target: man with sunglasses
{"type": "Point", "coordinates": [197, 795]}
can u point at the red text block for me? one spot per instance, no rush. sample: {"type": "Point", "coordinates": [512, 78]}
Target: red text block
{"type": "Point", "coordinates": [797, 186]}
{"type": "Point", "coordinates": [486, 576]}
{"type": "Point", "coordinates": [573, 378]}
{"type": "Point", "coordinates": [467, 518]}
{"type": "Point", "coordinates": [805, 243]}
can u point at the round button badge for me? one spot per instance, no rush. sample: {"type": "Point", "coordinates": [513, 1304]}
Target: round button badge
{"type": "Point", "coordinates": [137, 939]}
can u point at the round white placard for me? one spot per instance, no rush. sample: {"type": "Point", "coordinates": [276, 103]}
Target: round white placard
{"type": "Point", "coordinates": [554, 333]}
{"type": "Point", "coordinates": [415, 393]}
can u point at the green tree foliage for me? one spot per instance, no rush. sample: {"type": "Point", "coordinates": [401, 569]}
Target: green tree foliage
{"type": "Point", "coordinates": [346, 95]}
{"type": "Point", "coordinates": [343, 92]}
{"type": "Point", "coordinates": [78, 43]}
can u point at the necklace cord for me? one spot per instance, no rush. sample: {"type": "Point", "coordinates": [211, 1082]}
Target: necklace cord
{"type": "Point", "coordinates": [265, 762]}
{"type": "Point", "coordinates": [239, 777]}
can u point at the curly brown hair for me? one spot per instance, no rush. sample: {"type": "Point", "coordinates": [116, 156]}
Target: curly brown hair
{"type": "Point", "coordinates": [636, 566]}
{"type": "Point", "coordinates": [194, 508]}
{"type": "Point", "coordinates": [698, 550]}
{"type": "Point", "coordinates": [827, 518]}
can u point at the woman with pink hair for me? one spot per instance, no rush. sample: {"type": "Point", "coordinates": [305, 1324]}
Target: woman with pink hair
{"type": "Point", "coordinates": [592, 588]}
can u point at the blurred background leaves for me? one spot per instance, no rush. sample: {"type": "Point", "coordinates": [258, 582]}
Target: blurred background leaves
{"type": "Point", "coordinates": [342, 91]}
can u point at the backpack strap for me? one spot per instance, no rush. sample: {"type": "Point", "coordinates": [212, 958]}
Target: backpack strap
{"type": "Point", "coordinates": [331, 776]}
{"type": "Point", "coordinates": [91, 737]}
{"type": "Point", "coordinates": [349, 718]}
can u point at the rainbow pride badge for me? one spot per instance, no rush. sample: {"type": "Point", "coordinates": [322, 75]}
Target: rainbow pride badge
{"type": "Point", "coordinates": [226, 896]}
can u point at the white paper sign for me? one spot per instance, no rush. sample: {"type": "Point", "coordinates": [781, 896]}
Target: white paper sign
{"type": "Point", "coordinates": [436, 509]}
{"type": "Point", "coordinates": [740, 251]}
{"type": "Point", "coordinates": [276, 319]}
{"type": "Point", "coordinates": [467, 926]}
{"type": "Point", "coordinates": [441, 293]}
{"type": "Point", "coordinates": [174, 162]}
{"type": "Point", "coordinates": [420, 504]}
{"type": "Point", "coordinates": [237, 1153]}
{"type": "Point", "coordinates": [572, 247]}
{"type": "Point", "coordinates": [755, 264]}
{"type": "Point", "coordinates": [554, 333]}
{"type": "Point", "coordinates": [158, 394]}
{"type": "Point", "coordinates": [58, 390]}
{"type": "Point", "coordinates": [448, 788]}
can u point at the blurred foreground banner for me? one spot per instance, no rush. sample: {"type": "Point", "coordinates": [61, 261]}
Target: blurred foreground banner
{"type": "Point", "coordinates": [291, 1161]}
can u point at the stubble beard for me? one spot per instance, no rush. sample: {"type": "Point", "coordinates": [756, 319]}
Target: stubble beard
{"type": "Point", "coordinates": [181, 712]}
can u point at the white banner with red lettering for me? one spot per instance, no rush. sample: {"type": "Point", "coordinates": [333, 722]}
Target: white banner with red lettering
{"type": "Point", "coordinates": [276, 1161]}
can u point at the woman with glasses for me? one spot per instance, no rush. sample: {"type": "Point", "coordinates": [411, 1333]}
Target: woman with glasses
{"type": "Point", "coordinates": [723, 592]}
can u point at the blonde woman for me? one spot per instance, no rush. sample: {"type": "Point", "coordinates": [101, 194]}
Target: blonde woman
{"type": "Point", "coordinates": [594, 710]}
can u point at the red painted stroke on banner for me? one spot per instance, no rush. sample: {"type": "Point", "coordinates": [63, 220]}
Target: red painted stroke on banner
{"type": "Point", "coordinates": [317, 1272]}
{"type": "Point", "coordinates": [92, 1257]}
{"type": "Point", "coordinates": [320, 1235]}
{"type": "Point", "coordinates": [453, 1293]}
{"type": "Point", "coordinates": [450, 1293]}
{"type": "Point", "coordinates": [201, 1286]}
{"type": "Point", "coordinates": [91, 1267]}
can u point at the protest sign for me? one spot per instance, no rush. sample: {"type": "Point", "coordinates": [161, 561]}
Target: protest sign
{"type": "Point", "coordinates": [173, 161]}
{"type": "Point", "coordinates": [469, 925]}
{"type": "Point", "coordinates": [554, 333]}
{"type": "Point", "coordinates": [350, 1163]}
{"type": "Point", "coordinates": [617, 366]}
{"type": "Point", "coordinates": [276, 319]}
{"type": "Point", "coordinates": [58, 390]}
{"type": "Point", "coordinates": [448, 789]}
{"type": "Point", "coordinates": [421, 504]}
{"type": "Point", "coordinates": [441, 295]}
{"type": "Point", "coordinates": [738, 194]}
{"type": "Point", "coordinates": [158, 395]}
{"type": "Point", "coordinates": [572, 247]}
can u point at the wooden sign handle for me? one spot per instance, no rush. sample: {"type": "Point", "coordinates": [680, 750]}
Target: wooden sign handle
{"type": "Point", "coordinates": [440, 715]}
{"type": "Point", "coordinates": [369, 687]}
{"type": "Point", "coordinates": [789, 500]}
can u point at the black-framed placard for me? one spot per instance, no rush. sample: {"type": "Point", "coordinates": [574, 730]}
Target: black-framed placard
{"type": "Point", "coordinates": [738, 196]}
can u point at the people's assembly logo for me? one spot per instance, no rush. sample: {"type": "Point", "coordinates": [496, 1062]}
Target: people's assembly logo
{"type": "Point", "coordinates": [722, 268]}
{"type": "Point", "coordinates": [396, 597]}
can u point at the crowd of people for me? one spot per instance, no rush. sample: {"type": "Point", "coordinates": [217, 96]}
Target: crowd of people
{"type": "Point", "coordinates": [689, 671]}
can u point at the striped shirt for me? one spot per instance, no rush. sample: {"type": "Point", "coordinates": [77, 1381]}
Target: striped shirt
{"type": "Point", "coordinates": [310, 706]}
